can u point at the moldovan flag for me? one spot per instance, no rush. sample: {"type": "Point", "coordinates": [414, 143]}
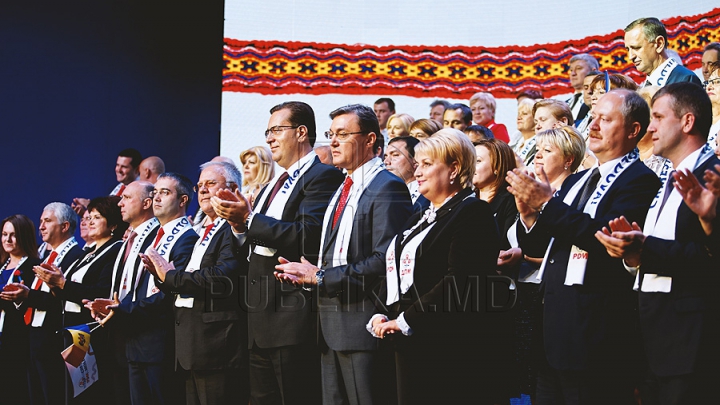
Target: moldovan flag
{"type": "Point", "coordinates": [80, 359]}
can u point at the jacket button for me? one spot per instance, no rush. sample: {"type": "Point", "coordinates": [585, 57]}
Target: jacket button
{"type": "Point", "coordinates": [253, 281]}
{"type": "Point", "coordinates": [177, 322]}
{"type": "Point", "coordinates": [324, 264]}
{"type": "Point", "coordinates": [552, 261]}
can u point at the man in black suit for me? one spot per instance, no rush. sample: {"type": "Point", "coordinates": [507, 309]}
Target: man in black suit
{"type": "Point", "coordinates": [367, 211]}
{"type": "Point", "coordinates": [210, 326]}
{"type": "Point", "coordinates": [589, 335]}
{"type": "Point", "coordinates": [400, 161]}
{"type": "Point", "coordinates": [678, 278]}
{"type": "Point", "coordinates": [646, 42]}
{"type": "Point", "coordinates": [579, 67]}
{"type": "Point", "coordinates": [42, 311]}
{"type": "Point", "coordinates": [284, 360]}
{"type": "Point", "coordinates": [145, 314]}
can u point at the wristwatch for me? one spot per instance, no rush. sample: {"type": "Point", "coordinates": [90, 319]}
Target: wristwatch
{"type": "Point", "coordinates": [319, 275]}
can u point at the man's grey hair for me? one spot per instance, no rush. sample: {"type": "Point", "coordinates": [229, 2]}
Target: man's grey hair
{"type": "Point", "coordinates": [588, 59]}
{"type": "Point", "coordinates": [229, 171]}
{"type": "Point", "coordinates": [63, 213]}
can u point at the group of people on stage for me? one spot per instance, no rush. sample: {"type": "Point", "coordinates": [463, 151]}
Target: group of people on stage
{"type": "Point", "coordinates": [575, 265]}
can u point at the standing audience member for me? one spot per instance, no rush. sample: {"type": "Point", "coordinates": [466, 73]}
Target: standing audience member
{"type": "Point", "coordinates": [656, 163]}
{"type": "Point", "coordinates": [547, 114]}
{"type": "Point", "coordinates": [712, 87]}
{"type": "Point", "coordinates": [437, 109]}
{"type": "Point", "coordinates": [258, 170]}
{"type": "Point", "coordinates": [494, 160]}
{"type": "Point", "coordinates": [458, 116]}
{"type": "Point", "coordinates": [210, 326]}
{"type": "Point", "coordinates": [677, 299]}
{"type": "Point", "coordinates": [284, 225]}
{"type": "Point", "coordinates": [454, 347]}
{"type": "Point", "coordinates": [150, 168]}
{"type": "Point", "coordinates": [384, 107]}
{"type": "Point", "coordinates": [580, 65]}
{"type": "Point", "coordinates": [399, 125]}
{"type": "Point", "coordinates": [400, 161]}
{"type": "Point", "coordinates": [477, 133]}
{"type": "Point", "coordinates": [424, 128]}
{"type": "Point", "coordinates": [483, 107]}
{"type": "Point", "coordinates": [710, 59]}
{"type": "Point", "coordinates": [127, 170]}
{"type": "Point", "coordinates": [589, 336]}
{"type": "Point", "coordinates": [525, 147]}
{"type": "Point", "coordinates": [352, 258]}
{"type": "Point", "coordinates": [584, 124]}
{"type": "Point", "coordinates": [18, 256]}
{"type": "Point", "coordinates": [646, 41]}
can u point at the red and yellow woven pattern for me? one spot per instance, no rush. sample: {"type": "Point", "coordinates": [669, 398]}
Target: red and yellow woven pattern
{"type": "Point", "coordinates": [270, 67]}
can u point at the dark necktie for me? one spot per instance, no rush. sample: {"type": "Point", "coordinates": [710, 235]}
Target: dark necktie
{"type": "Point", "coordinates": [274, 191]}
{"type": "Point", "coordinates": [342, 201]}
{"type": "Point", "coordinates": [574, 100]}
{"type": "Point", "coordinates": [587, 190]}
{"type": "Point", "coordinates": [668, 190]}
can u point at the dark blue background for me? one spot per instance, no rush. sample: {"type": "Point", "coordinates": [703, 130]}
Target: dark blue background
{"type": "Point", "coordinates": [81, 80]}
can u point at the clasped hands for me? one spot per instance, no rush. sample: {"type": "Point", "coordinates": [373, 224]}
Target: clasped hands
{"type": "Point", "coordinates": [102, 309]}
{"type": "Point", "coordinates": [298, 273]}
{"type": "Point", "coordinates": [232, 206]}
{"type": "Point", "coordinates": [530, 193]}
{"type": "Point", "coordinates": [382, 326]}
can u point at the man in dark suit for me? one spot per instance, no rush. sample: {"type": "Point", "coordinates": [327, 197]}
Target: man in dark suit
{"type": "Point", "coordinates": [678, 278]}
{"type": "Point", "coordinates": [210, 326]}
{"type": "Point", "coordinates": [284, 360]}
{"type": "Point", "coordinates": [400, 161]}
{"type": "Point", "coordinates": [589, 335]}
{"type": "Point", "coordinates": [579, 67]}
{"type": "Point", "coordinates": [42, 311]}
{"type": "Point", "coordinates": [646, 41]}
{"type": "Point", "coordinates": [367, 211]}
{"type": "Point", "coordinates": [145, 314]}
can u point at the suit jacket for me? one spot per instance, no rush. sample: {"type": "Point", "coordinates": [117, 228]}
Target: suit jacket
{"type": "Point", "coordinates": [585, 325]}
{"type": "Point", "coordinates": [280, 314]}
{"type": "Point", "coordinates": [345, 305]}
{"type": "Point", "coordinates": [147, 320]}
{"type": "Point", "coordinates": [44, 340]}
{"type": "Point", "coordinates": [683, 74]}
{"type": "Point", "coordinates": [211, 335]}
{"type": "Point", "coordinates": [95, 283]}
{"type": "Point", "coordinates": [680, 328]}
{"type": "Point", "coordinates": [14, 332]}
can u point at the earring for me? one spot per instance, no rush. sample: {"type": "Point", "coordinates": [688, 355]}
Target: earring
{"type": "Point", "coordinates": [495, 172]}
{"type": "Point", "coordinates": [566, 167]}
{"type": "Point", "coordinates": [452, 181]}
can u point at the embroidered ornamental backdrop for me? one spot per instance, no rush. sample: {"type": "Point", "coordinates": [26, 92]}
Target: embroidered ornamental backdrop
{"type": "Point", "coordinates": [270, 67]}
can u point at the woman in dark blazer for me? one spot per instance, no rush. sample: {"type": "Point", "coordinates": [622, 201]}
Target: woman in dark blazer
{"type": "Point", "coordinates": [17, 258]}
{"type": "Point", "coordinates": [90, 277]}
{"type": "Point", "coordinates": [448, 347]}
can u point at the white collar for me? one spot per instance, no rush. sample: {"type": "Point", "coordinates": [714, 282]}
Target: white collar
{"type": "Point", "coordinates": [300, 163]}
{"type": "Point", "coordinates": [690, 160]}
{"type": "Point", "coordinates": [62, 246]}
{"type": "Point", "coordinates": [608, 166]}
{"type": "Point", "coordinates": [360, 173]}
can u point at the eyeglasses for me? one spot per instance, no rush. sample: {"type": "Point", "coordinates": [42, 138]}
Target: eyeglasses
{"type": "Point", "coordinates": [163, 192]}
{"type": "Point", "coordinates": [277, 129]}
{"type": "Point", "coordinates": [342, 137]}
{"type": "Point", "coordinates": [714, 82]}
{"type": "Point", "coordinates": [210, 184]}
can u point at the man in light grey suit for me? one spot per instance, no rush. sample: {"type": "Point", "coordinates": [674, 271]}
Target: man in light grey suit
{"type": "Point", "coordinates": [366, 212]}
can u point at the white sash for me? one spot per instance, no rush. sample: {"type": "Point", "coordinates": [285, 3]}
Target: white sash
{"type": "Point", "coordinates": [164, 248]}
{"type": "Point", "coordinates": [78, 276]}
{"type": "Point", "coordinates": [414, 189]}
{"type": "Point", "coordinates": [361, 180]}
{"type": "Point", "coordinates": [277, 205]}
{"type": "Point", "coordinates": [577, 261]}
{"type": "Point", "coordinates": [201, 247]}
{"type": "Point", "coordinates": [523, 154]}
{"type": "Point", "coordinates": [713, 134]}
{"type": "Point", "coordinates": [659, 76]}
{"type": "Point", "coordinates": [662, 224]}
{"type": "Point", "coordinates": [143, 230]}
{"type": "Point", "coordinates": [39, 315]}
{"type": "Point", "coordinates": [407, 265]}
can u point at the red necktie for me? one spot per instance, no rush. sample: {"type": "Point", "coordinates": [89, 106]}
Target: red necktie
{"type": "Point", "coordinates": [275, 190]}
{"type": "Point", "coordinates": [36, 286]}
{"type": "Point", "coordinates": [207, 230]}
{"type": "Point", "coordinates": [128, 245]}
{"type": "Point", "coordinates": [119, 193]}
{"type": "Point", "coordinates": [159, 236]}
{"type": "Point", "coordinates": [342, 200]}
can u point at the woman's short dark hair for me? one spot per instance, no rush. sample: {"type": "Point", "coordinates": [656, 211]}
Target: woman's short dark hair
{"type": "Point", "coordinates": [108, 208]}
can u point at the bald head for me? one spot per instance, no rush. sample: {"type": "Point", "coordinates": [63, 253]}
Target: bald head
{"type": "Point", "coordinates": [150, 168]}
{"type": "Point", "coordinates": [136, 203]}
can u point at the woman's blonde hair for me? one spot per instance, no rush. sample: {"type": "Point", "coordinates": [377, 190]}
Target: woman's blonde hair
{"type": "Point", "coordinates": [451, 145]}
{"type": "Point", "coordinates": [406, 120]}
{"type": "Point", "coordinates": [266, 169]}
{"type": "Point", "coordinates": [568, 140]}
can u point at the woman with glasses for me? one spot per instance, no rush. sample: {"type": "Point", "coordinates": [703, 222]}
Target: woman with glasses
{"type": "Point", "coordinates": [88, 278]}
{"type": "Point", "coordinates": [444, 353]}
{"type": "Point", "coordinates": [17, 258]}
{"type": "Point", "coordinates": [258, 169]}
{"type": "Point", "coordinates": [712, 87]}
